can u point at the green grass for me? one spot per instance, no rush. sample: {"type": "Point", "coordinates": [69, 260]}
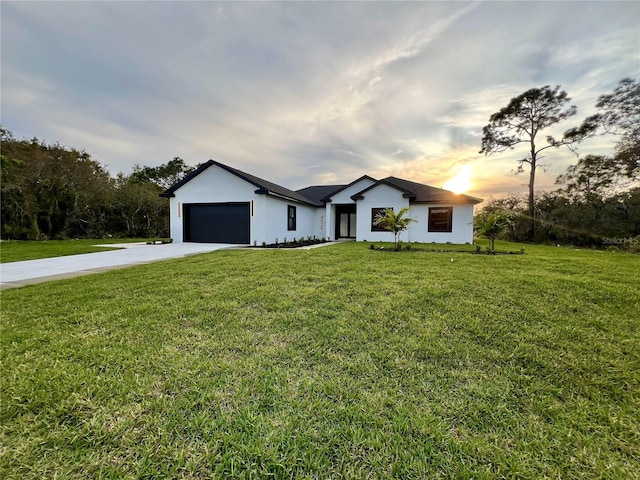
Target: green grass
{"type": "Point", "coordinates": [17, 251]}
{"type": "Point", "coordinates": [337, 362]}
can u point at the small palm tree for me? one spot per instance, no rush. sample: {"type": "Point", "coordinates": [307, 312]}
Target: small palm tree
{"type": "Point", "coordinates": [491, 225]}
{"type": "Point", "coordinates": [394, 222]}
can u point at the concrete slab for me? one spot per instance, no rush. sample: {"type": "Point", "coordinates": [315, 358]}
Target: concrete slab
{"type": "Point", "coordinates": [16, 274]}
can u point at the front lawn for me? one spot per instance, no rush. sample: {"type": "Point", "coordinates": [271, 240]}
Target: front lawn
{"type": "Point", "coordinates": [336, 362]}
{"type": "Point", "coordinates": [17, 250]}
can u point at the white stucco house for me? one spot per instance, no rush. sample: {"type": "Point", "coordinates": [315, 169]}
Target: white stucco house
{"type": "Point", "coordinates": [220, 204]}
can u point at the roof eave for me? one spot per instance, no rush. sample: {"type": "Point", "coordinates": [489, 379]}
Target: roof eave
{"type": "Point", "coordinates": [327, 199]}
{"type": "Point", "coordinates": [405, 193]}
{"type": "Point", "coordinates": [469, 200]}
{"type": "Point", "coordinates": [264, 191]}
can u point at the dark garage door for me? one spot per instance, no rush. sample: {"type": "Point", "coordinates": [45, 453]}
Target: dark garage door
{"type": "Point", "coordinates": [216, 222]}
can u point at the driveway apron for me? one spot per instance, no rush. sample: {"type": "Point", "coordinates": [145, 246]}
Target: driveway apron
{"type": "Point", "coordinates": [16, 274]}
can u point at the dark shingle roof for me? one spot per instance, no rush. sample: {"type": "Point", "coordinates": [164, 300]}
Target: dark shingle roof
{"type": "Point", "coordinates": [323, 193]}
{"type": "Point", "coordinates": [420, 193]}
{"type": "Point", "coordinates": [264, 186]}
{"type": "Point", "coordinates": [343, 187]}
{"type": "Point", "coordinates": [317, 193]}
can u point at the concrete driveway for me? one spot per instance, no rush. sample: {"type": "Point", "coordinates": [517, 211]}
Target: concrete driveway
{"type": "Point", "coordinates": [16, 274]}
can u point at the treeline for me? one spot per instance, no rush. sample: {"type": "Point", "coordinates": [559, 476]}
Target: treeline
{"type": "Point", "coordinates": [598, 199]}
{"type": "Point", "coordinates": [561, 218]}
{"type": "Point", "coordinates": [49, 191]}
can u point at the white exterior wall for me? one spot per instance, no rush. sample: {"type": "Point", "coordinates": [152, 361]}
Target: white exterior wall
{"type": "Point", "coordinates": [383, 196]}
{"type": "Point", "coordinates": [320, 222]}
{"type": "Point", "coordinates": [461, 231]}
{"type": "Point", "coordinates": [275, 216]}
{"type": "Point", "coordinates": [345, 195]}
{"type": "Point", "coordinates": [175, 220]}
{"type": "Point", "coordinates": [259, 219]}
{"type": "Point", "coordinates": [214, 185]}
{"type": "Point", "coordinates": [342, 198]}
{"type": "Point", "coordinates": [328, 222]}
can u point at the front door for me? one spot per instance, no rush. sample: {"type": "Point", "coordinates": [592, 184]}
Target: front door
{"type": "Point", "coordinates": [345, 221]}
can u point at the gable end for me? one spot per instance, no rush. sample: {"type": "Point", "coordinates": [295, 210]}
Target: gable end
{"type": "Point", "coordinates": [264, 187]}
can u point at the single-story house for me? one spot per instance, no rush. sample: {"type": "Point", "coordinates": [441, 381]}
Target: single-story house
{"type": "Point", "coordinates": [220, 204]}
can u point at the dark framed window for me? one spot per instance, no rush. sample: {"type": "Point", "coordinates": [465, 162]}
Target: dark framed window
{"type": "Point", "coordinates": [291, 217]}
{"type": "Point", "coordinates": [374, 214]}
{"type": "Point", "coordinates": [440, 219]}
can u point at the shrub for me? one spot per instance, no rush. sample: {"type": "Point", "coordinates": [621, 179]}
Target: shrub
{"type": "Point", "coordinates": [394, 222]}
{"type": "Point", "coordinates": [491, 225]}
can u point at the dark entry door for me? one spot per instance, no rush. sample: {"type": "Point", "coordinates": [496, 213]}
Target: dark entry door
{"type": "Point", "coordinates": [345, 221]}
{"type": "Point", "coordinates": [216, 222]}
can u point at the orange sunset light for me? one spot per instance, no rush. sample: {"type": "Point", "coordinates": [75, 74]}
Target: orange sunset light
{"type": "Point", "coordinates": [461, 182]}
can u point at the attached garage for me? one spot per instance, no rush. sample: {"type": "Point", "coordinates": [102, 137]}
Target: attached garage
{"type": "Point", "coordinates": [217, 222]}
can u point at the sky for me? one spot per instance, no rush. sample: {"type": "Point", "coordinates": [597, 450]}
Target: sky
{"type": "Point", "coordinates": [308, 93]}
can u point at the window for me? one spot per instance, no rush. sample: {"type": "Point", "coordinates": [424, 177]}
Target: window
{"type": "Point", "coordinates": [291, 217]}
{"type": "Point", "coordinates": [440, 219]}
{"type": "Point", "coordinates": [374, 214]}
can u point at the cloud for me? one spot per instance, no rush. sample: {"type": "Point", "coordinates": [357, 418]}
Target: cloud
{"type": "Point", "coordinates": [305, 92]}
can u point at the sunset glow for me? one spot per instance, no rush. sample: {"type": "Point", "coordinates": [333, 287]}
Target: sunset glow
{"type": "Point", "coordinates": [338, 106]}
{"type": "Point", "coordinates": [461, 182]}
